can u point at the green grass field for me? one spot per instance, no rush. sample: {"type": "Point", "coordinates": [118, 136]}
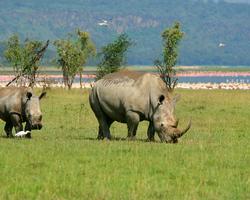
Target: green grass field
{"type": "Point", "coordinates": [65, 161]}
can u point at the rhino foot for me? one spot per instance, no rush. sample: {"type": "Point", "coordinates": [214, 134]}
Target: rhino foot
{"type": "Point", "coordinates": [10, 136]}
{"type": "Point", "coordinates": [107, 139]}
{"type": "Point", "coordinates": [131, 138]}
{"type": "Point", "coordinates": [100, 137]}
{"type": "Point", "coordinates": [28, 135]}
{"type": "Point", "coordinates": [150, 140]}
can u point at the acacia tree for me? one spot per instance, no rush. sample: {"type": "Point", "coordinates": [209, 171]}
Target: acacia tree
{"type": "Point", "coordinates": [171, 38]}
{"type": "Point", "coordinates": [33, 52]}
{"type": "Point", "coordinates": [88, 48]}
{"type": "Point", "coordinates": [113, 55]}
{"type": "Point", "coordinates": [24, 58]}
{"type": "Point", "coordinates": [73, 53]}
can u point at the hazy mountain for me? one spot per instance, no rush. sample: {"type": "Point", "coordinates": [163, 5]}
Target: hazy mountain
{"type": "Point", "coordinates": [216, 32]}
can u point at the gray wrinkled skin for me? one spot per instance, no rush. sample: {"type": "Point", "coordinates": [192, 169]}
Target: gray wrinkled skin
{"type": "Point", "coordinates": [130, 97]}
{"type": "Point", "coordinates": [18, 105]}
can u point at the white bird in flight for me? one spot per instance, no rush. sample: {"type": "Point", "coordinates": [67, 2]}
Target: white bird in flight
{"type": "Point", "coordinates": [103, 23]}
{"type": "Point", "coordinates": [222, 45]}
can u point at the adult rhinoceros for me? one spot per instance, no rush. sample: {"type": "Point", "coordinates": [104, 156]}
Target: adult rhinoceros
{"type": "Point", "coordinates": [130, 97]}
{"type": "Point", "coordinates": [18, 105]}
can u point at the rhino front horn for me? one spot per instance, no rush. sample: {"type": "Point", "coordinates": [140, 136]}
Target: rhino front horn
{"type": "Point", "coordinates": [178, 133]}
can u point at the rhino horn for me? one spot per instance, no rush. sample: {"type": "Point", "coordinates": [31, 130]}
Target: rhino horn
{"type": "Point", "coordinates": [178, 133]}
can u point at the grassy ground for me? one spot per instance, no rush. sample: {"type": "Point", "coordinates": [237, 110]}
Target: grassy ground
{"type": "Point", "coordinates": [65, 161]}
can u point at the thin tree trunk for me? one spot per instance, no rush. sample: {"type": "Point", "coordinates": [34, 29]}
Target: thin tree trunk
{"type": "Point", "coordinates": [70, 82]}
{"type": "Point", "coordinates": [81, 79]}
{"type": "Point", "coordinates": [65, 78]}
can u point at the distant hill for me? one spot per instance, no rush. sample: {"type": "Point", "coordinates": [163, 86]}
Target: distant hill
{"type": "Point", "coordinates": [216, 32]}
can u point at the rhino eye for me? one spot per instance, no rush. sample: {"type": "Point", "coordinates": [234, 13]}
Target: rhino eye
{"type": "Point", "coordinates": [162, 124]}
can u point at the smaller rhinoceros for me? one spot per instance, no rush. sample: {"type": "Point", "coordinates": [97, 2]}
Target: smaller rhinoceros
{"type": "Point", "coordinates": [18, 105]}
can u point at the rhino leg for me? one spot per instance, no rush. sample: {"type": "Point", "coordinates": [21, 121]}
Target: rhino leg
{"type": "Point", "coordinates": [133, 120]}
{"type": "Point", "coordinates": [151, 132]}
{"type": "Point", "coordinates": [8, 129]}
{"type": "Point", "coordinates": [104, 124]}
{"type": "Point", "coordinates": [101, 133]}
{"type": "Point", "coordinates": [16, 122]}
{"type": "Point", "coordinates": [101, 117]}
{"type": "Point", "coordinates": [27, 128]}
{"type": "Point", "coordinates": [104, 128]}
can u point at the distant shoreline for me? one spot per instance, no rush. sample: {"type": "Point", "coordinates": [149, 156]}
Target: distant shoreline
{"type": "Point", "coordinates": [212, 73]}
{"type": "Point", "coordinates": [4, 78]}
{"type": "Point", "coordinates": [56, 80]}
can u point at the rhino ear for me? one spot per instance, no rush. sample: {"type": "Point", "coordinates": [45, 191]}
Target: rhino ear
{"type": "Point", "coordinates": [29, 95]}
{"type": "Point", "coordinates": [161, 99]}
{"type": "Point", "coordinates": [42, 95]}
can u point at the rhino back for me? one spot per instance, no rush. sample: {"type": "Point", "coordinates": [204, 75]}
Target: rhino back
{"type": "Point", "coordinates": [10, 101]}
{"type": "Point", "coordinates": [120, 92]}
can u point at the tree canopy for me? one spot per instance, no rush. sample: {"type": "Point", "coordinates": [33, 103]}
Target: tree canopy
{"type": "Point", "coordinates": [113, 55]}
{"type": "Point", "coordinates": [25, 57]}
{"type": "Point", "coordinates": [73, 53]}
{"type": "Point", "coordinates": [171, 38]}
